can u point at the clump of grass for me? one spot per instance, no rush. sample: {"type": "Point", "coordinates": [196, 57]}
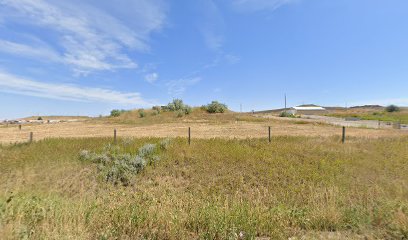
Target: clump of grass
{"type": "Point", "coordinates": [164, 145]}
{"type": "Point", "coordinates": [301, 122]}
{"type": "Point", "coordinates": [155, 113]}
{"type": "Point", "coordinates": [180, 113]}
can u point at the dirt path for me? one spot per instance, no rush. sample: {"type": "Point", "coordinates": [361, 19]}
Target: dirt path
{"type": "Point", "coordinates": [338, 121]}
{"type": "Point", "coordinates": [12, 133]}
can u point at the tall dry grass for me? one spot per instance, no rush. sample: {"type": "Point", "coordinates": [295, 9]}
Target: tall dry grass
{"type": "Point", "coordinates": [213, 189]}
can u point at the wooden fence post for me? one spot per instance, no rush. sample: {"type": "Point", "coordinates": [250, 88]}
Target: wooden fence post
{"type": "Point", "coordinates": [114, 135]}
{"type": "Point", "coordinates": [189, 136]}
{"type": "Point", "coordinates": [269, 130]}
{"type": "Point", "coordinates": [31, 137]}
{"type": "Point", "coordinates": [343, 138]}
{"type": "Point", "coordinates": [19, 127]}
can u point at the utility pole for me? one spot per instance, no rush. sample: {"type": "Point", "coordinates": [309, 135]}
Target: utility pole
{"type": "Point", "coordinates": [285, 102]}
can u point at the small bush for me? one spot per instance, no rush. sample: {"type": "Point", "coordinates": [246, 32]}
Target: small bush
{"type": "Point", "coordinates": [142, 113]}
{"type": "Point", "coordinates": [216, 107]}
{"type": "Point", "coordinates": [188, 110]}
{"type": "Point", "coordinates": [118, 168]}
{"type": "Point", "coordinates": [286, 114]}
{"type": "Point", "coordinates": [116, 112]}
{"type": "Point", "coordinates": [180, 113]}
{"type": "Point", "coordinates": [392, 108]}
{"type": "Point", "coordinates": [155, 113]}
{"type": "Point", "coordinates": [39, 119]}
{"type": "Point", "coordinates": [178, 106]}
{"type": "Point", "coordinates": [157, 109]}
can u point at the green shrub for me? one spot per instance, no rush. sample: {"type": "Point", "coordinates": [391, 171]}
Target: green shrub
{"type": "Point", "coordinates": [178, 106]}
{"type": "Point", "coordinates": [392, 108]}
{"type": "Point", "coordinates": [116, 112]}
{"type": "Point", "coordinates": [216, 107]}
{"type": "Point", "coordinates": [286, 114]}
{"type": "Point", "coordinates": [39, 119]}
{"type": "Point", "coordinates": [155, 113]}
{"type": "Point", "coordinates": [188, 110]}
{"type": "Point", "coordinates": [117, 167]}
{"type": "Point", "coordinates": [157, 108]}
{"type": "Point", "coordinates": [142, 113]}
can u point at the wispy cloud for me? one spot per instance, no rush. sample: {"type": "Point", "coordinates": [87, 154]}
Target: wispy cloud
{"type": "Point", "coordinates": [39, 52]}
{"type": "Point", "coordinates": [258, 5]}
{"type": "Point", "coordinates": [151, 77]}
{"type": "Point", "coordinates": [178, 87]}
{"type": "Point", "coordinates": [91, 39]}
{"type": "Point", "coordinates": [18, 85]}
{"type": "Point", "coordinates": [212, 25]}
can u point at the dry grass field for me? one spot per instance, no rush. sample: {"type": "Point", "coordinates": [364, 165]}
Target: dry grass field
{"type": "Point", "coordinates": [230, 183]}
{"type": "Point", "coordinates": [228, 125]}
{"type": "Point", "coordinates": [296, 187]}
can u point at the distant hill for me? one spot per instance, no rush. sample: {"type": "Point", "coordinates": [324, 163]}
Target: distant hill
{"type": "Point", "coordinates": [368, 107]}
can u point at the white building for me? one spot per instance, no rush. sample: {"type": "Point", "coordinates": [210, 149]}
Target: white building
{"type": "Point", "coordinates": [307, 110]}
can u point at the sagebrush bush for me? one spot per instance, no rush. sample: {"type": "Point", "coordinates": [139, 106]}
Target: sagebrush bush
{"type": "Point", "coordinates": [215, 107]}
{"type": "Point", "coordinates": [116, 112]}
{"type": "Point", "coordinates": [142, 113]}
{"type": "Point", "coordinates": [286, 114]}
{"type": "Point", "coordinates": [157, 109]}
{"type": "Point", "coordinates": [117, 167]}
{"type": "Point", "coordinates": [178, 106]}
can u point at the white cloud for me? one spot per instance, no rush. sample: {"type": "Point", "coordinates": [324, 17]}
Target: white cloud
{"type": "Point", "coordinates": [178, 87]}
{"type": "Point", "coordinates": [151, 77]}
{"type": "Point", "coordinates": [212, 25]}
{"type": "Point", "coordinates": [258, 5]}
{"type": "Point", "coordinates": [27, 50]}
{"type": "Point", "coordinates": [92, 39]}
{"type": "Point", "coordinates": [14, 84]}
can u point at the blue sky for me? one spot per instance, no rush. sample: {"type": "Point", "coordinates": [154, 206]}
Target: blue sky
{"type": "Point", "coordinates": [86, 57]}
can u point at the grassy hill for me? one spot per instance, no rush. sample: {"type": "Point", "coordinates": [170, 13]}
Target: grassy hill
{"type": "Point", "coordinates": [197, 115]}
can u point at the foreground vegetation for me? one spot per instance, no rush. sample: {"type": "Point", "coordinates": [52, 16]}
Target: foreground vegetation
{"type": "Point", "coordinates": [213, 189]}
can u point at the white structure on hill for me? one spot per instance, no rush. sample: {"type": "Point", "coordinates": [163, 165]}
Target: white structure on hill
{"type": "Point", "coordinates": [307, 110]}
